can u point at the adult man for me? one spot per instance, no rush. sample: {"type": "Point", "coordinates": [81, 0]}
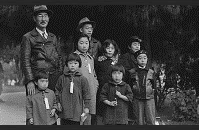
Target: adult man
{"type": "Point", "coordinates": [39, 51]}
{"type": "Point", "coordinates": [86, 27]}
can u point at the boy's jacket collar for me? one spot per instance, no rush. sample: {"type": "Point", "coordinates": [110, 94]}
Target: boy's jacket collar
{"type": "Point", "coordinates": [47, 90]}
{"type": "Point", "coordinates": [146, 68]}
{"type": "Point", "coordinates": [120, 84]}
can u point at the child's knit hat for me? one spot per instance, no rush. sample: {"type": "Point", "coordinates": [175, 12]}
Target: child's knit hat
{"type": "Point", "coordinates": [140, 52]}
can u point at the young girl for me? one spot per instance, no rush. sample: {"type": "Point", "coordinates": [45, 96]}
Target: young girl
{"type": "Point", "coordinates": [116, 94]}
{"type": "Point", "coordinates": [110, 57]}
{"type": "Point", "coordinates": [87, 69]}
{"type": "Point", "coordinates": [71, 90]}
{"type": "Point", "coordinates": [41, 107]}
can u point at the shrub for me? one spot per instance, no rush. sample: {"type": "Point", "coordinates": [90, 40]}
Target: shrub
{"type": "Point", "coordinates": [185, 106]}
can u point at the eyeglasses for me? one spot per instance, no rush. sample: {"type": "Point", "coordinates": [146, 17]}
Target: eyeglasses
{"type": "Point", "coordinates": [42, 16]}
{"type": "Point", "coordinates": [91, 28]}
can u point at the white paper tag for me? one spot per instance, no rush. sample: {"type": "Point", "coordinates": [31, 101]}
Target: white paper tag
{"type": "Point", "coordinates": [89, 68]}
{"type": "Point", "coordinates": [46, 103]}
{"type": "Point", "coordinates": [71, 87]}
{"type": "Point", "coordinates": [83, 117]}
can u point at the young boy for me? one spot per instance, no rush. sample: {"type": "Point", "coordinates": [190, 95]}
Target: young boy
{"type": "Point", "coordinates": [143, 90]}
{"type": "Point", "coordinates": [72, 90]}
{"type": "Point", "coordinates": [86, 27]}
{"type": "Point", "coordinates": [116, 94]}
{"type": "Point", "coordinates": [41, 107]}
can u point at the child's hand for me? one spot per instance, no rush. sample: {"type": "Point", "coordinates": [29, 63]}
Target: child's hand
{"type": "Point", "coordinates": [86, 110]}
{"type": "Point", "coordinates": [59, 107]}
{"type": "Point", "coordinates": [31, 121]}
{"type": "Point", "coordinates": [118, 94]}
{"type": "Point", "coordinates": [52, 113]}
{"type": "Point", "coordinates": [113, 103]}
{"type": "Point", "coordinates": [149, 83]}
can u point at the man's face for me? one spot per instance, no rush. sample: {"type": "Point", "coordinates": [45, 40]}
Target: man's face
{"type": "Point", "coordinates": [41, 20]}
{"type": "Point", "coordinates": [87, 29]}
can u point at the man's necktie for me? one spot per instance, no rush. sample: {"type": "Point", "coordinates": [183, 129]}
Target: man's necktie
{"type": "Point", "coordinates": [44, 35]}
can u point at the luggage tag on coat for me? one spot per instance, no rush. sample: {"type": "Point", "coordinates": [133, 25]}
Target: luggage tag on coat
{"type": "Point", "coordinates": [46, 103]}
{"type": "Point", "coordinates": [71, 86]}
{"type": "Point", "coordinates": [89, 68]}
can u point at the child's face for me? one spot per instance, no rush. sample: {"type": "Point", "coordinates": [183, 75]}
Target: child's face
{"type": "Point", "coordinates": [42, 83]}
{"type": "Point", "coordinates": [110, 50]}
{"type": "Point", "coordinates": [142, 60]}
{"type": "Point", "coordinates": [117, 76]}
{"type": "Point", "coordinates": [73, 65]}
{"type": "Point", "coordinates": [83, 44]}
{"type": "Point", "coordinates": [135, 46]}
{"type": "Point", "coordinates": [87, 29]}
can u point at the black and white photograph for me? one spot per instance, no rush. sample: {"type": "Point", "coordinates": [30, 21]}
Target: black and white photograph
{"type": "Point", "coordinates": [99, 64]}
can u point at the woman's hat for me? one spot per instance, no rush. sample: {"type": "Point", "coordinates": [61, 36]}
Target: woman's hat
{"type": "Point", "coordinates": [84, 21]}
{"type": "Point", "coordinates": [40, 9]}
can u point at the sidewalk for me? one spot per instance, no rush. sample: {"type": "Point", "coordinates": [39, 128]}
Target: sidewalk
{"type": "Point", "coordinates": [12, 109]}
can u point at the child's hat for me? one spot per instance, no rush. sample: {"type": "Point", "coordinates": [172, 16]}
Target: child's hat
{"type": "Point", "coordinates": [137, 53]}
{"type": "Point", "coordinates": [84, 21]}
{"type": "Point", "coordinates": [40, 9]}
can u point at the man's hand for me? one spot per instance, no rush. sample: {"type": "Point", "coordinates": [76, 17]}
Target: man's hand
{"type": "Point", "coordinates": [31, 88]}
{"type": "Point", "coordinates": [52, 113]}
{"type": "Point", "coordinates": [197, 99]}
{"type": "Point", "coordinates": [31, 121]}
{"type": "Point", "coordinates": [59, 107]}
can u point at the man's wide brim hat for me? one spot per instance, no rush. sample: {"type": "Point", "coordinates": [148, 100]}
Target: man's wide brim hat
{"type": "Point", "coordinates": [84, 21]}
{"type": "Point", "coordinates": [40, 9]}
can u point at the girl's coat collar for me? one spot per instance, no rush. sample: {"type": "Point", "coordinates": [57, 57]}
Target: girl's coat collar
{"type": "Point", "coordinates": [87, 54]}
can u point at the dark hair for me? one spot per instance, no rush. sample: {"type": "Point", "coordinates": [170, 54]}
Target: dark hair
{"type": "Point", "coordinates": [75, 57]}
{"type": "Point", "coordinates": [117, 67]}
{"type": "Point", "coordinates": [41, 74]}
{"type": "Point", "coordinates": [107, 43]}
{"type": "Point", "coordinates": [133, 39]}
{"type": "Point", "coordinates": [77, 37]}
{"type": "Point", "coordinates": [140, 52]}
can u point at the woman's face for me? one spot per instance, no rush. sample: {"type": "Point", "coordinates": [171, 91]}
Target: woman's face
{"type": "Point", "coordinates": [83, 44]}
{"type": "Point", "coordinates": [110, 50]}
